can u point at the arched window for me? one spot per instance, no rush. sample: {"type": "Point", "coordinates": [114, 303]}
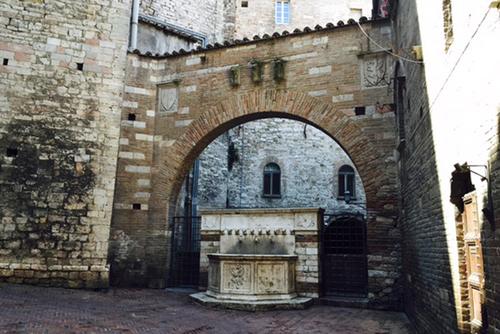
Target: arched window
{"type": "Point", "coordinates": [272, 180]}
{"type": "Point", "coordinates": [346, 181]}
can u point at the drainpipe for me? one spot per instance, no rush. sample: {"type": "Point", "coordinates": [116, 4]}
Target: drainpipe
{"type": "Point", "coordinates": [134, 24]}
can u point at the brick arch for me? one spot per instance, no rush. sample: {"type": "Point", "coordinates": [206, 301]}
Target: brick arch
{"type": "Point", "coordinates": [178, 158]}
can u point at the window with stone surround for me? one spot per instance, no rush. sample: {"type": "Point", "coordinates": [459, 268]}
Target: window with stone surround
{"type": "Point", "coordinates": [447, 24]}
{"type": "Point", "coordinates": [346, 182]}
{"type": "Point", "coordinates": [282, 12]}
{"type": "Point", "coordinates": [272, 180]}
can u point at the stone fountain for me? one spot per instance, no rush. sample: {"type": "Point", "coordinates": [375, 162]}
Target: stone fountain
{"type": "Point", "coordinates": [256, 259]}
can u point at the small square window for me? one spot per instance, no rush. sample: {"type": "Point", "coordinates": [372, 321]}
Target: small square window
{"type": "Point", "coordinates": [244, 4]}
{"type": "Point", "coordinates": [359, 111]}
{"type": "Point", "coordinates": [136, 206]}
{"type": "Point", "coordinates": [5, 61]}
{"type": "Point", "coordinates": [356, 13]}
{"type": "Point", "coordinates": [79, 66]}
{"type": "Point", "coordinates": [132, 117]}
{"type": "Point", "coordinates": [11, 152]}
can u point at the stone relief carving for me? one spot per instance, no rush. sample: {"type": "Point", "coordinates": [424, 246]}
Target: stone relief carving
{"type": "Point", "coordinates": [168, 99]}
{"type": "Point", "coordinates": [375, 71]}
{"type": "Point", "coordinates": [237, 279]}
{"type": "Point", "coordinates": [270, 278]}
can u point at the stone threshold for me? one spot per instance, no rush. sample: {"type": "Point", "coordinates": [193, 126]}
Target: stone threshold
{"type": "Point", "coordinates": [344, 301]}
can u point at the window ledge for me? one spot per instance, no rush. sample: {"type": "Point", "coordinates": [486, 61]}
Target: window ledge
{"type": "Point", "coordinates": [271, 196]}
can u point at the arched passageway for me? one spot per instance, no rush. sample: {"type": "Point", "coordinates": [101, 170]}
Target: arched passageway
{"type": "Point", "coordinates": [372, 160]}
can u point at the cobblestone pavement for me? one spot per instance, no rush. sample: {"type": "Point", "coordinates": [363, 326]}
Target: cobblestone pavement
{"type": "Point", "coordinates": [28, 309]}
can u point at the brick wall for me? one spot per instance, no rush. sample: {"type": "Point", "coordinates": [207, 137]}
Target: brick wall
{"type": "Point", "coordinates": [450, 117]}
{"type": "Point", "coordinates": [182, 103]}
{"type": "Point", "coordinates": [59, 129]}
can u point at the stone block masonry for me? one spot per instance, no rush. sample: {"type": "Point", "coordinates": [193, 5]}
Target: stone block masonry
{"type": "Point", "coordinates": [61, 81]}
{"type": "Point", "coordinates": [309, 162]}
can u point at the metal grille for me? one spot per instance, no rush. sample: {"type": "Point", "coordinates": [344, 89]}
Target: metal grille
{"type": "Point", "coordinates": [185, 252]}
{"type": "Point", "coordinates": [344, 255]}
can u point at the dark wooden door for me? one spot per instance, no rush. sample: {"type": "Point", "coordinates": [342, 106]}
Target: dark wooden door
{"type": "Point", "coordinates": [474, 259]}
{"type": "Point", "coordinates": [344, 257]}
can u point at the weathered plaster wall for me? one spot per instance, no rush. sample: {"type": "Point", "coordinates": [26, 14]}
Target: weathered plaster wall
{"type": "Point", "coordinates": [451, 117]}
{"type": "Point", "coordinates": [308, 158]}
{"type": "Point", "coordinates": [327, 75]}
{"type": "Point", "coordinates": [59, 130]}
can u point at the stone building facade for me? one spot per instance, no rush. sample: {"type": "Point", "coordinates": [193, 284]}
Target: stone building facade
{"type": "Point", "coordinates": [258, 17]}
{"type": "Point", "coordinates": [236, 19]}
{"type": "Point", "coordinates": [309, 162]}
{"type": "Point", "coordinates": [448, 111]}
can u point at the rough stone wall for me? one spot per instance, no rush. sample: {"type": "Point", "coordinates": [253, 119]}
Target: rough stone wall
{"type": "Point", "coordinates": [182, 103]}
{"type": "Point", "coordinates": [259, 16]}
{"type": "Point", "coordinates": [308, 158]}
{"type": "Point", "coordinates": [455, 122]}
{"type": "Point", "coordinates": [204, 16]}
{"type": "Point", "coordinates": [59, 129]}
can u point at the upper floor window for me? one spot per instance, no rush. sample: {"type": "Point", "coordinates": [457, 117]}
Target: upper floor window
{"type": "Point", "coordinates": [346, 181]}
{"type": "Point", "coordinates": [282, 14]}
{"type": "Point", "coordinates": [272, 180]}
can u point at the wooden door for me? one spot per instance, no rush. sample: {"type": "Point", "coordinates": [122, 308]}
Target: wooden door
{"type": "Point", "coordinates": [474, 259]}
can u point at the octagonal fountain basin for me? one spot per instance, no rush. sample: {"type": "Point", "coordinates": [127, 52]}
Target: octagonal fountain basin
{"type": "Point", "coordinates": [252, 282]}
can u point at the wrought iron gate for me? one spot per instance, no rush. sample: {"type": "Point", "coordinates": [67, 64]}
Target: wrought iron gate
{"type": "Point", "coordinates": [344, 259]}
{"type": "Point", "coordinates": [185, 265]}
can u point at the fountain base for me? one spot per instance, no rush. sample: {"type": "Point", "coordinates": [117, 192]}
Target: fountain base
{"type": "Point", "coordinates": [252, 282]}
{"type": "Point", "coordinates": [297, 303]}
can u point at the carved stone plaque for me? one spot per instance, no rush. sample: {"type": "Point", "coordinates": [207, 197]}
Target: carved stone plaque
{"type": "Point", "coordinates": [305, 222]}
{"type": "Point", "coordinates": [237, 277]}
{"type": "Point", "coordinates": [271, 278]}
{"type": "Point", "coordinates": [375, 71]}
{"type": "Point", "coordinates": [168, 100]}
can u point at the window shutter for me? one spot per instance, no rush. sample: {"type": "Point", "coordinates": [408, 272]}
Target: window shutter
{"type": "Point", "coordinates": [341, 185]}
{"type": "Point", "coordinates": [276, 184]}
{"type": "Point", "coordinates": [350, 184]}
{"type": "Point", "coordinates": [279, 12]}
{"type": "Point", "coordinates": [267, 183]}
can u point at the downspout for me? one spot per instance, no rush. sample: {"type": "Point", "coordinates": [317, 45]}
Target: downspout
{"type": "Point", "coordinates": [134, 24]}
